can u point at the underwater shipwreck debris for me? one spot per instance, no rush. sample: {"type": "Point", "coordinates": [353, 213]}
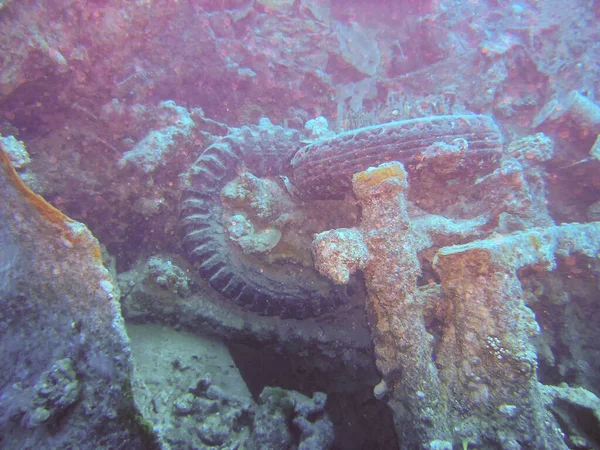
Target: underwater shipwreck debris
{"type": "Point", "coordinates": [576, 107]}
{"type": "Point", "coordinates": [486, 348]}
{"type": "Point", "coordinates": [478, 379]}
{"type": "Point", "coordinates": [403, 349]}
{"type": "Point", "coordinates": [322, 170]}
{"type": "Point", "coordinates": [263, 288]}
{"type": "Point", "coordinates": [64, 348]}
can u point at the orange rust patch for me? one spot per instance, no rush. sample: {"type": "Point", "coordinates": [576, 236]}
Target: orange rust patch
{"type": "Point", "coordinates": [379, 174]}
{"type": "Point", "coordinates": [96, 253]}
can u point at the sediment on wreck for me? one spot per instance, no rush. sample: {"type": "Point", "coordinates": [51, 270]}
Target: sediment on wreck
{"type": "Point", "coordinates": [67, 358]}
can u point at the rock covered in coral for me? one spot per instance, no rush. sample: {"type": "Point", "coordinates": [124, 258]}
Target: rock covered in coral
{"type": "Point", "coordinates": [159, 146]}
{"type": "Point", "coordinates": [447, 157]}
{"type": "Point", "coordinates": [533, 148]}
{"type": "Point", "coordinates": [188, 389]}
{"type": "Point", "coordinates": [318, 127]}
{"type": "Point", "coordinates": [15, 149]}
{"type": "Point", "coordinates": [61, 309]}
{"type": "Point", "coordinates": [56, 390]}
{"type": "Point", "coordinates": [168, 275]}
{"type": "Point", "coordinates": [254, 210]}
{"type": "Point", "coordinates": [340, 253]}
{"type": "Point", "coordinates": [262, 198]}
{"type": "Point", "coordinates": [240, 230]}
{"type": "Point", "coordinates": [279, 408]}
